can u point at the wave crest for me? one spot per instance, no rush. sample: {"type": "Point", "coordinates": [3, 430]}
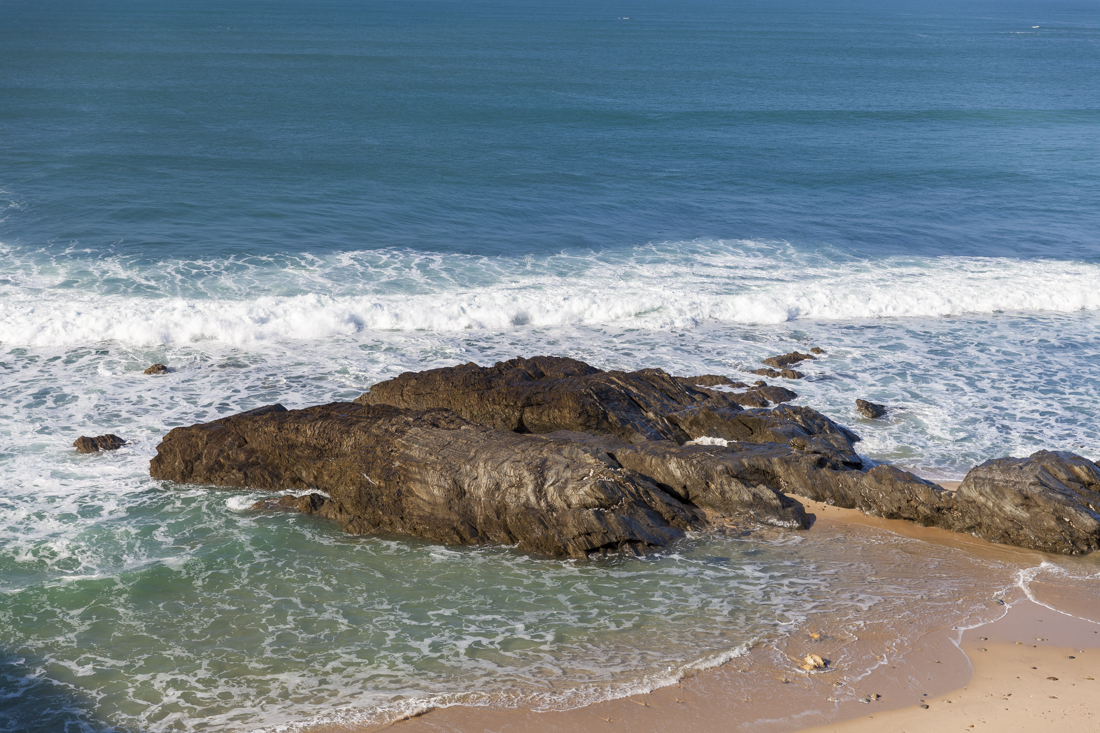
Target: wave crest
{"type": "Point", "coordinates": [680, 285]}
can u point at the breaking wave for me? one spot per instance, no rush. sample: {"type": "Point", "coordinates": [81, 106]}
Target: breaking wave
{"type": "Point", "coordinates": [61, 300]}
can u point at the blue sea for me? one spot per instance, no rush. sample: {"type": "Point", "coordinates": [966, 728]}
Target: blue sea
{"type": "Point", "coordinates": [289, 201]}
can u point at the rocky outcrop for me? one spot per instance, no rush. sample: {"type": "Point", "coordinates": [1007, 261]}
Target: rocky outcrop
{"type": "Point", "coordinates": [786, 360]}
{"type": "Point", "coordinates": [871, 410]}
{"type": "Point", "coordinates": [84, 444]}
{"type": "Point", "coordinates": [1049, 501]}
{"type": "Point", "coordinates": [545, 394]}
{"type": "Point", "coordinates": [433, 474]}
{"type": "Point", "coordinates": [157, 369]}
{"type": "Point", "coordinates": [556, 457]}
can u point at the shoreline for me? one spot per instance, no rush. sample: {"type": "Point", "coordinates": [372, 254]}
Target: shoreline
{"type": "Point", "coordinates": [946, 664]}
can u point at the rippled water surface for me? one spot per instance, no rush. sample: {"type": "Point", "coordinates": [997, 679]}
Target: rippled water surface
{"type": "Point", "coordinates": [290, 201]}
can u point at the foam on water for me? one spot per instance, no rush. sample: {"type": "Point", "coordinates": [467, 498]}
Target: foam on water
{"type": "Point", "coordinates": [77, 298]}
{"type": "Point", "coordinates": [138, 605]}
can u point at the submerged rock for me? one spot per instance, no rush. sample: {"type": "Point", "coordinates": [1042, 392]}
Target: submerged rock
{"type": "Point", "coordinates": [786, 360]}
{"type": "Point", "coordinates": [817, 350]}
{"type": "Point", "coordinates": [157, 369]}
{"type": "Point", "coordinates": [433, 474]}
{"type": "Point", "coordinates": [775, 374]}
{"type": "Point", "coordinates": [872, 410]}
{"type": "Point", "coordinates": [84, 444]}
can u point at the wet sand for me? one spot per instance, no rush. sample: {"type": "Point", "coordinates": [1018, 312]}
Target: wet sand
{"type": "Point", "coordinates": [1036, 669]}
{"type": "Point", "coordinates": [979, 677]}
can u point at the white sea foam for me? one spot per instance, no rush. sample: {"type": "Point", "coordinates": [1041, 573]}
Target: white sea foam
{"type": "Point", "coordinates": [707, 440]}
{"type": "Point", "coordinates": [93, 538]}
{"type": "Point", "coordinates": [71, 301]}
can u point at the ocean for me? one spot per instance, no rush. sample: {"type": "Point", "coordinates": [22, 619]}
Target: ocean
{"type": "Point", "coordinates": [290, 201]}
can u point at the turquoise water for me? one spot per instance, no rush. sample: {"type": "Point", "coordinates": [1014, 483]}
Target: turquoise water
{"type": "Point", "coordinates": [291, 201]}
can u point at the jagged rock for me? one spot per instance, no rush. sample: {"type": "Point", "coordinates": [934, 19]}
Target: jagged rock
{"type": "Point", "coordinates": [817, 350]}
{"type": "Point", "coordinates": [787, 359]}
{"type": "Point", "coordinates": [545, 394]}
{"type": "Point", "coordinates": [433, 474]}
{"type": "Point", "coordinates": [775, 374]}
{"type": "Point", "coordinates": [872, 410]}
{"type": "Point", "coordinates": [711, 380]}
{"type": "Point", "coordinates": [1049, 501]}
{"type": "Point", "coordinates": [157, 369]}
{"type": "Point", "coordinates": [84, 444]}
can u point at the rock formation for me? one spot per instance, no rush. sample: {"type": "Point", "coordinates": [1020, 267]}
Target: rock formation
{"type": "Point", "coordinates": [157, 369]}
{"type": "Point", "coordinates": [555, 457]}
{"type": "Point", "coordinates": [872, 410]}
{"type": "Point", "coordinates": [84, 444]}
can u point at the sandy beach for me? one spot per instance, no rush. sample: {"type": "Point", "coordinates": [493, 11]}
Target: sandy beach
{"type": "Point", "coordinates": [1028, 667]}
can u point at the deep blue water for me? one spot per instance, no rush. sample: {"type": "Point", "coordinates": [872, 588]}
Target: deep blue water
{"type": "Point", "coordinates": [289, 201]}
{"type": "Point", "coordinates": [204, 128]}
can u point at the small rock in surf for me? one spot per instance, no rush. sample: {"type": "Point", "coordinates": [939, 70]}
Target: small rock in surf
{"type": "Point", "coordinates": [84, 444]}
{"type": "Point", "coordinates": [872, 410]}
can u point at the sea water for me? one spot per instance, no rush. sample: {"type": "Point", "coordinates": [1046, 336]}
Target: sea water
{"type": "Point", "coordinates": [288, 202]}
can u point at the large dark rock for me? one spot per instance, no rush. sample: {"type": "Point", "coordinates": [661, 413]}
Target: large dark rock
{"type": "Point", "coordinates": [433, 474]}
{"type": "Point", "coordinates": [157, 369]}
{"type": "Point", "coordinates": [557, 457]}
{"type": "Point", "coordinates": [545, 394]}
{"type": "Point", "coordinates": [85, 444]}
{"type": "Point", "coordinates": [1048, 501]}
